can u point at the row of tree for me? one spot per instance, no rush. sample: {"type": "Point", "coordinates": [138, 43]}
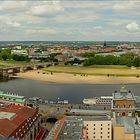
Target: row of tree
{"type": "Point", "coordinates": [6, 55]}
{"type": "Point", "coordinates": [126, 59]}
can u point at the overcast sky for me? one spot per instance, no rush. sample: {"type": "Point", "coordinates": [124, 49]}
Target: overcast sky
{"type": "Point", "coordinates": [70, 20]}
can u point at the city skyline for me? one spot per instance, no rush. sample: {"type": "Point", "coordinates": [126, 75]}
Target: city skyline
{"type": "Point", "coordinates": [70, 20]}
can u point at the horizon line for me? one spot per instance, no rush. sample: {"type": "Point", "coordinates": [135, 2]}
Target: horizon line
{"type": "Point", "coordinates": [67, 41]}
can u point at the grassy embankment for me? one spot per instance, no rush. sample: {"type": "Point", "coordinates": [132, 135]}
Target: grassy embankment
{"type": "Point", "coordinates": [105, 70]}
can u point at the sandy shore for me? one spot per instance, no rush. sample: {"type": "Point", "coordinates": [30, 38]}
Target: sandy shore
{"type": "Point", "coordinates": [70, 78]}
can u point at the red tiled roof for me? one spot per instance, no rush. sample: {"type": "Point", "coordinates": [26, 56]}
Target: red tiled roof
{"type": "Point", "coordinates": [40, 135]}
{"type": "Point", "coordinates": [10, 127]}
{"type": "Point", "coordinates": [62, 121]}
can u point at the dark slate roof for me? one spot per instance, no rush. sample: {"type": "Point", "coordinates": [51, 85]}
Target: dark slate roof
{"type": "Point", "coordinates": [123, 94]}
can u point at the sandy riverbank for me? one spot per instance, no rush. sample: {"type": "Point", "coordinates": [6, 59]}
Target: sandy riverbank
{"type": "Point", "coordinates": [70, 78]}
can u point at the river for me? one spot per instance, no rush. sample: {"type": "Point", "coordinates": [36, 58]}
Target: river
{"type": "Point", "coordinates": [74, 93]}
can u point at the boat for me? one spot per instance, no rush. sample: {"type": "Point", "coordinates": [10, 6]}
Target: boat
{"type": "Point", "coordinates": [89, 101]}
{"type": "Point", "coordinates": [103, 100]}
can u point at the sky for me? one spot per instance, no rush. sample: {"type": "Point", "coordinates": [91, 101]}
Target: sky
{"type": "Point", "coordinates": [70, 20]}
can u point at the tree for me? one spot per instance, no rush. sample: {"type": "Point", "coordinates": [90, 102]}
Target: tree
{"type": "Point", "coordinates": [136, 62]}
{"type": "Point", "coordinates": [88, 54]}
{"type": "Point", "coordinates": [5, 54]}
{"type": "Point", "coordinates": [126, 59]}
{"type": "Point", "coordinates": [20, 57]}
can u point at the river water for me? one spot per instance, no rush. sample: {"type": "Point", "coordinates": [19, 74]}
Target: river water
{"type": "Point", "coordinates": [74, 93]}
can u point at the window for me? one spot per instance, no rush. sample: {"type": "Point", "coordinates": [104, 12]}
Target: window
{"type": "Point", "coordinates": [101, 137]}
{"type": "Point", "coordinates": [94, 137]}
{"type": "Point", "coordinates": [108, 128]}
{"type": "Point", "coordinates": [108, 136]}
{"type": "Point", "coordinates": [108, 124]}
{"type": "Point", "coordinates": [101, 128]}
{"type": "Point", "coordinates": [94, 124]}
{"type": "Point", "coordinates": [101, 132]}
{"type": "Point", "coordinates": [87, 124]}
{"type": "Point", "coordinates": [123, 114]}
{"type": "Point", "coordinates": [93, 128]}
{"type": "Point", "coordinates": [94, 133]}
{"type": "Point", "coordinates": [101, 124]}
{"type": "Point", "coordinates": [108, 132]}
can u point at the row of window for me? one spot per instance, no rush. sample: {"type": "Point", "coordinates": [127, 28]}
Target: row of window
{"type": "Point", "coordinates": [101, 133]}
{"type": "Point", "coordinates": [101, 128]}
{"type": "Point", "coordinates": [100, 137]}
{"type": "Point", "coordinates": [101, 124]}
{"type": "Point", "coordinates": [6, 98]}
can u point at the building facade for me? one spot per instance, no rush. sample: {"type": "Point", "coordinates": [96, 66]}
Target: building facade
{"type": "Point", "coordinates": [123, 103]}
{"type": "Point", "coordinates": [98, 129]}
{"type": "Point", "coordinates": [123, 110]}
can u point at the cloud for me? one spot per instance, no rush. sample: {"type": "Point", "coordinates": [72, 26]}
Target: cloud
{"type": "Point", "coordinates": [13, 24]}
{"type": "Point", "coordinates": [72, 20]}
{"type": "Point", "coordinates": [47, 8]}
{"type": "Point", "coordinates": [127, 6]}
{"type": "Point", "coordinates": [14, 6]}
{"type": "Point", "coordinates": [41, 31]}
{"type": "Point", "coordinates": [133, 27]}
{"type": "Point", "coordinates": [98, 27]}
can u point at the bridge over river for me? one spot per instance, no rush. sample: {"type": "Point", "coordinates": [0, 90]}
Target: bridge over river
{"type": "Point", "coordinates": [5, 72]}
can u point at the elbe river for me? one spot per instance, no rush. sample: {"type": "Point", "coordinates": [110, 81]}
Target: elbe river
{"type": "Point", "coordinates": [74, 93]}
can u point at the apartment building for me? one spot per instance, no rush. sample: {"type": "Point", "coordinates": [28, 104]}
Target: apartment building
{"type": "Point", "coordinates": [98, 128]}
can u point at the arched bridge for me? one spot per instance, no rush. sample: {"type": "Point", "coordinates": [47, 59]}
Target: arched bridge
{"type": "Point", "coordinates": [17, 69]}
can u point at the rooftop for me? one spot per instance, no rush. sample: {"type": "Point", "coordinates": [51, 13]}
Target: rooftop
{"type": "Point", "coordinates": [8, 94]}
{"type": "Point", "coordinates": [127, 122]}
{"type": "Point", "coordinates": [12, 117]}
{"type": "Point", "coordinates": [72, 129]}
{"type": "Point", "coordinates": [123, 94]}
{"type": "Point", "coordinates": [97, 112]}
{"type": "Point", "coordinates": [11, 97]}
{"type": "Point", "coordinates": [7, 115]}
{"type": "Point", "coordinates": [2, 138]}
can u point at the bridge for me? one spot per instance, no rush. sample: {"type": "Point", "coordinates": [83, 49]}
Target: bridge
{"type": "Point", "coordinates": [4, 72]}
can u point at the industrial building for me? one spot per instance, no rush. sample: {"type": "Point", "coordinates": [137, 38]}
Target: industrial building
{"type": "Point", "coordinates": [12, 98]}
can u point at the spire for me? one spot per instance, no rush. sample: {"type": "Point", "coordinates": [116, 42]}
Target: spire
{"type": "Point", "coordinates": [123, 91]}
{"type": "Point", "coordinates": [104, 44]}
